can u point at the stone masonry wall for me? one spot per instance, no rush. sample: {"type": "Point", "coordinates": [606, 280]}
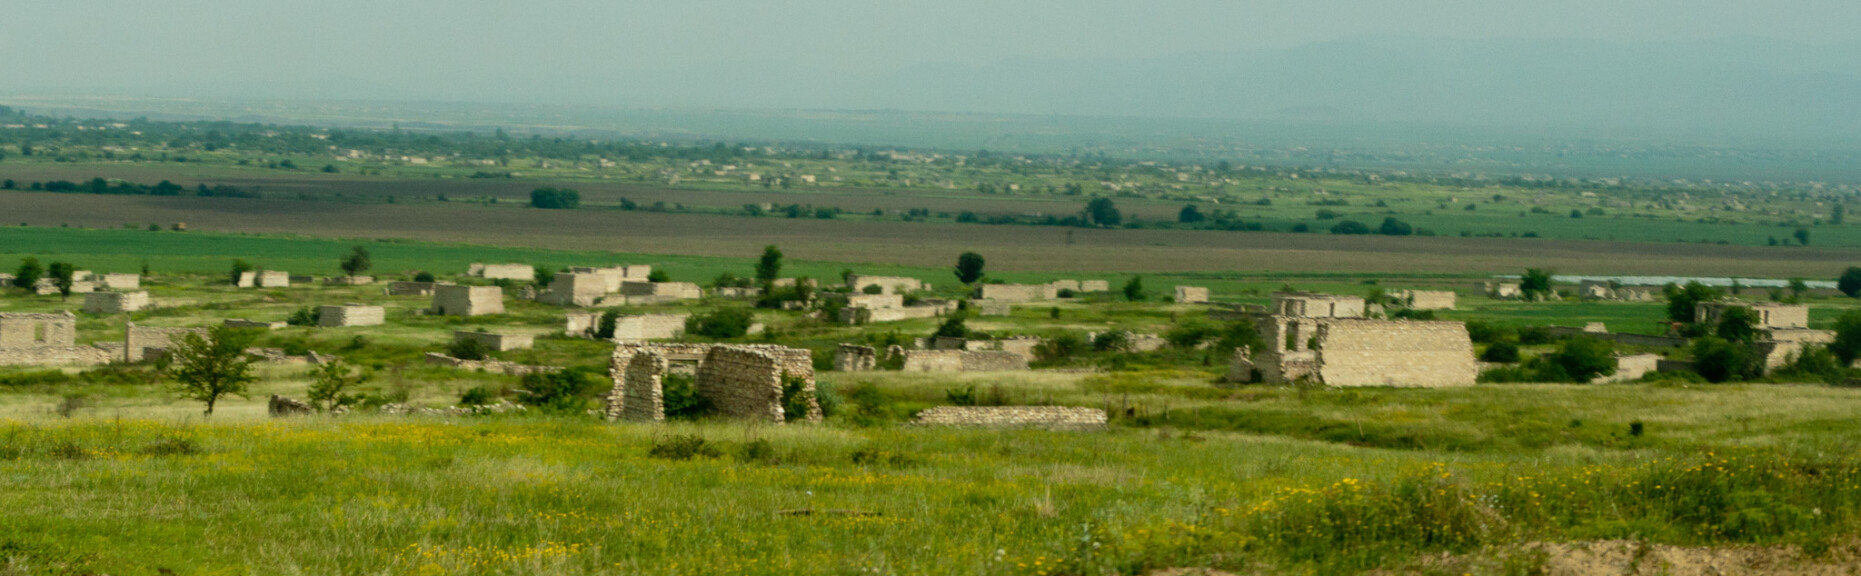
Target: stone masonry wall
{"type": "Point", "coordinates": [23, 330]}
{"type": "Point", "coordinates": [115, 302]}
{"type": "Point", "coordinates": [740, 381]}
{"type": "Point", "coordinates": [963, 361]}
{"type": "Point", "coordinates": [1395, 353]}
{"type": "Point", "coordinates": [1191, 294]}
{"type": "Point", "coordinates": [649, 327]}
{"type": "Point", "coordinates": [1018, 292]}
{"type": "Point", "coordinates": [886, 284]}
{"type": "Point", "coordinates": [143, 342]}
{"type": "Point", "coordinates": [56, 356]}
{"type": "Point", "coordinates": [411, 288]}
{"type": "Point", "coordinates": [521, 272]}
{"type": "Point", "coordinates": [571, 289]}
{"type": "Point", "coordinates": [642, 394]}
{"type": "Point", "coordinates": [350, 315]}
{"type": "Point", "coordinates": [274, 279]}
{"type": "Point", "coordinates": [1425, 299]}
{"type": "Point", "coordinates": [497, 342]}
{"type": "Point", "coordinates": [122, 281]}
{"type": "Point", "coordinates": [1058, 417]}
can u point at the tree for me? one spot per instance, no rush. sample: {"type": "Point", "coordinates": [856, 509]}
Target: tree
{"type": "Point", "coordinates": [1349, 227]}
{"type": "Point", "coordinates": [208, 368]}
{"type": "Point", "coordinates": [1505, 352]}
{"type": "Point", "coordinates": [29, 273]}
{"type": "Point", "coordinates": [1393, 227]}
{"type": "Point", "coordinates": [1103, 212]}
{"type": "Point", "coordinates": [1850, 282]}
{"type": "Point", "coordinates": [424, 276]}
{"type": "Point", "coordinates": [1847, 344]}
{"type": "Point", "coordinates": [1190, 215]}
{"type": "Point", "coordinates": [1681, 300]}
{"type": "Point", "coordinates": [1798, 287]}
{"type": "Point", "coordinates": [1583, 359]}
{"type": "Point", "coordinates": [659, 275]}
{"type": "Point", "coordinates": [969, 267]}
{"type": "Point", "coordinates": [722, 323]}
{"type": "Point", "coordinates": [1802, 236]}
{"type": "Point", "coordinates": [61, 274]}
{"type": "Point", "coordinates": [1720, 361]}
{"type": "Point", "coordinates": [1134, 289]}
{"type": "Point", "coordinates": [770, 266]}
{"type": "Point", "coordinates": [1836, 214]}
{"type": "Point", "coordinates": [330, 381]}
{"type": "Point", "coordinates": [555, 198]}
{"type": "Point", "coordinates": [356, 262]}
{"type": "Point", "coordinates": [952, 327]}
{"type": "Point", "coordinates": [1737, 324]}
{"type": "Point", "coordinates": [1536, 284]}
{"type": "Point", "coordinates": [240, 268]}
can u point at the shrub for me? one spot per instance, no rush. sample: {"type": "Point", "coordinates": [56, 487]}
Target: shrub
{"type": "Point", "coordinates": [566, 391]}
{"type": "Point", "coordinates": [680, 399]}
{"type": "Point", "coordinates": [1584, 359]}
{"type": "Point", "coordinates": [330, 381]}
{"type": "Point", "coordinates": [684, 447]}
{"type": "Point", "coordinates": [478, 396]}
{"type": "Point", "coordinates": [1059, 347]}
{"type": "Point", "coordinates": [1191, 334]}
{"type": "Point", "coordinates": [1506, 352]}
{"type": "Point", "coordinates": [952, 327]}
{"type": "Point", "coordinates": [721, 324]}
{"type": "Point", "coordinates": [555, 199]}
{"type": "Point", "coordinates": [1718, 360]}
{"type": "Point", "coordinates": [1349, 227]}
{"type": "Point", "coordinates": [964, 396]}
{"type": "Point", "coordinates": [1112, 341]}
{"type": "Point", "coordinates": [1484, 333]}
{"type": "Point", "coordinates": [1534, 335]}
{"type": "Point", "coordinates": [659, 275]}
{"type": "Point", "coordinates": [172, 446]}
{"type": "Point", "coordinates": [468, 349]}
{"type": "Point", "coordinates": [794, 398]}
{"type": "Point", "coordinates": [425, 276]}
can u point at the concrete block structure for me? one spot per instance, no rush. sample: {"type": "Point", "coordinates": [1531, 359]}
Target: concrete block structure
{"type": "Point", "coordinates": [1019, 292]}
{"type": "Point", "coordinates": [1325, 338]}
{"type": "Point", "coordinates": [1424, 299]}
{"type": "Point", "coordinates": [274, 279]}
{"type": "Point", "coordinates": [518, 272]}
{"type": "Point", "coordinates": [1315, 305]}
{"type": "Point", "coordinates": [886, 284]}
{"type": "Point", "coordinates": [247, 279]}
{"type": "Point", "coordinates": [575, 289]}
{"type": "Point", "coordinates": [1191, 295]}
{"type": "Point", "coordinates": [410, 288]}
{"type": "Point", "coordinates": [740, 381]}
{"type": "Point", "coordinates": [115, 302]}
{"type": "Point", "coordinates": [120, 281]}
{"type": "Point", "coordinates": [1769, 314]}
{"type": "Point", "coordinates": [496, 342]}
{"type": "Point", "coordinates": [675, 290]}
{"type": "Point", "coordinates": [456, 300]}
{"type": "Point", "coordinates": [1050, 417]}
{"type": "Point", "coordinates": [350, 315]}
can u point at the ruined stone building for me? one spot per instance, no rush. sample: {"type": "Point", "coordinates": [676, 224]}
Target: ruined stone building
{"type": "Point", "coordinates": [855, 358]}
{"type": "Point", "coordinates": [1769, 314]}
{"type": "Point", "coordinates": [121, 281]}
{"type": "Point", "coordinates": [350, 315]}
{"type": "Point", "coordinates": [274, 279]}
{"type": "Point", "coordinates": [410, 288]}
{"type": "Point", "coordinates": [1018, 292]}
{"type": "Point", "coordinates": [575, 289]}
{"type": "Point", "coordinates": [496, 342]}
{"type": "Point", "coordinates": [1325, 338]}
{"type": "Point", "coordinates": [115, 302]}
{"type": "Point", "coordinates": [1424, 299]}
{"type": "Point", "coordinates": [44, 340]}
{"type": "Point", "coordinates": [1191, 295]}
{"type": "Point", "coordinates": [886, 284]}
{"type": "Point", "coordinates": [1600, 290]}
{"type": "Point", "coordinates": [457, 300]}
{"type": "Point", "coordinates": [149, 342]}
{"type": "Point", "coordinates": [654, 292]}
{"type": "Point", "coordinates": [964, 361]}
{"type": "Point", "coordinates": [519, 272]}
{"type": "Point", "coordinates": [642, 327]}
{"type": "Point", "coordinates": [740, 380]}
{"type": "Point", "coordinates": [1049, 417]}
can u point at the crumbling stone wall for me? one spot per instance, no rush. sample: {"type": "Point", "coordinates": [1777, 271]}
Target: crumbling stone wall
{"type": "Point", "coordinates": [886, 284]}
{"type": "Point", "coordinates": [963, 361]}
{"type": "Point", "coordinates": [348, 280]}
{"type": "Point", "coordinates": [1395, 353]}
{"type": "Point", "coordinates": [1241, 366]}
{"type": "Point", "coordinates": [581, 323]}
{"type": "Point", "coordinates": [1315, 305]}
{"type": "Point", "coordinates": [115, 302]}
{"type": "Point", "coordinates": [649, 327]}
{"type": "Point", "coordinates": [1425, 299]}
{"type": "Point", "coordinates": [1191, 295]}
{"type": "Point", "coordinates": [1053, 417]}
{"type": "Point", "coordinates": [244, 323]}
{"type": "Point", "coordinates": [641, 390]}
{"type": "Point", "coordinates": [495, 341]}
{"type": "Point", "coordinates": [147, 342]}
{"type": "Point", "coordinates": [853, 315]}
{"type": "Point", "coordinates": [57, 356]}
{"type": "Point", "coordinates": [410, 288]}
{"type": "Point", "coordinates": [1630, 368]}
{"type": "Point", "coordinates": [855, 358]}
{"type": "Point", "coordinates": [520, 272]}
{"type": "Point", "coordinates": [1023, 345]}
{"type": "Point", "coordinates": [572, 289]}
{"type": "Point", "coordinates": [1769, 314]}
{"type": "Point", "coordinates": [497, 366]}
{"type": "Point", "coordinates": [1094, 286]}
{"type": "Point", "coordinates": [456, 300]}
{"type": "Point", "coordinates": [350, 315]}
{"type": "Point", "coordinates": [875, 301]}
{"type": "Point", "coordinates": [1072, 285]}
{"type": "Point", "coordinates": [121, 281]}
{"type": "Point", "coordinates": [1018, 292]}
{"type": "Point", "coordinates": [23, 330]}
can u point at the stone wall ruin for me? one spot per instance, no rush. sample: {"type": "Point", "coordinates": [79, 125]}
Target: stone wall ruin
{"type": "Point", "coordinates": [1191, 295]}
{"type": "Point", "coordinates": [350, 315]}
{"type": "Point", "coordinates": [519, 272]}
{"type": "Point", "coordinates": [457, 300]}
{"type": "Point", "coordinates": [886, 284]}
{"type": "Point", "coordinates": [115, 302]}
{"type": "Point", "coordinates": [855, 358]}
{"type": "Point", "coordinates": [963, 361]}
{"type": "Point", "coordinates": [496, 342]}
{"type": "Point", "coordinates": [739, 380]}
{"type": "Point", "coordinates": [1051, 417]}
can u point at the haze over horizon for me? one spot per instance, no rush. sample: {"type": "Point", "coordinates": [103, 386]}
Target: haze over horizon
{"type": "Point", "coordinates": [1717, 67]}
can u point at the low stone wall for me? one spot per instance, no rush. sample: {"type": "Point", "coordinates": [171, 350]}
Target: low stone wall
{"type": "Point", "coordinates": [1630, 368]}
{"type": "Point", "coordinates": [855, 358]}
{"type": "Point", "coordinates": [738, 387]}
{"type": "Point", "coordinates": [1241, 366]}
{"type": "Point", "coordinates": [886, 284]}
{"type": "Point", "coordinates": [571, 289]}
{"type": "Point", "coordinates": [649, 327]}
{"type": "Point", "coordinates": [495, 341]}
{"type": "Point", "coordinates": [1191, 295]}
{"type": "Point", "coordinates": [56, 356]}
{"type": "Point", "coordinates": [410, 288]}
{"type": "Point", "coordinates": [148, 342]}
{"type": "Point", "coordinates": [1054, 417]}
{"type": "Point", "coordinates": [581, 323]}
{"type": "Point", "coordinates": [1018, 292]}
{"type": "Point", "coordinates": [350, 315]}
{"type": "Point", "coordinates": [852, 316]}
{"type": "Point", "coordinates": [115, 302]}
{"type": "Point", "coordinates": [349, 280]}
{"type": "Point", "coordinates": [963, 361]}
{"type": "Point", "coordinates": [875, 301]}
{"type": "Point", "coordinates": [1395, 353]}
{"type": "Point", "coordinates": [121, 281]}
{"type": "Point", "coordinates": [274, 279]}
{"type": "Point", "coordinates": [1425, 299]}
{"type": "Point", "coordinates": [244, 323]}
{"type": "Point", "coordinates": [992, 308]}
{"type": "Point", "coordinates": [520, 272]}
{"type": "Point", "coordinates": [1621, 337]}
{"type": "Point", "coordinates": [494, 366]}
{"type": "Point", "coordinates": [678, 290]}
{"type": "Point", "coordinates": [1094, 285]}
{"type": "Point", "coordinates": [736, 292]}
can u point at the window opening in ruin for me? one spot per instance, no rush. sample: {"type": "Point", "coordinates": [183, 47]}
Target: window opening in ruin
{"type": "Point", "coordinates": [1292, 337]}
{"type": "Point", "coordinates": [38, 333]}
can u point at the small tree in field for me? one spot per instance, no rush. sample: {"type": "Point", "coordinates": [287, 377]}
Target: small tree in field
{"type": "Point", "coordinates": [330, 381]}
{"type": "Point", "coordinates": [61, 273]}
{"type": "Point", "coordinates": [969, 267]}
{"type": "Point", "coordinates": [770, 266]}
{"type": "Point", "coordinates": [356, 262]}
{"type": "Point", "coordinates": [29, 273]}
{"type": "Point", "coordinates": [208, 368]}
{"type": "Point", "coordinates": [1134, 290]}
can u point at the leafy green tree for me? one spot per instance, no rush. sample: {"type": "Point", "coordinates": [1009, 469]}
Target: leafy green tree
{"type": "Point", "coordinates": [769, 267]}
{"type": "Point", "coordinates": [555, 198]}
{"type": "Point", "coordinates": [1103, 212]}
{"type": "Point", "coordinates": [659, 275]}
{"type": "Point", "coordinates": [240, 267]}
{"type": "Point", "coordinates": [722, 323]}
{"type": "Point", "coordinates": [1349, 227]}
{"type": "Point", "coordinates": [1191, 215]}
{"type": "Point", "coordinates": [1837, 213]}
{"type": "Point", "coordinates": [1737, 324]}
{"type": "Point", "coordinates": [1798, 287]}
{"type": "Point", "coordinates": [1718, 360]}
{"type": "Point", "coordinates": [1134, 289]}
{"type": "Point", "coordinates": [1536, 284]}
{"type": "Point", "coordinates": [952, 327]}
{"type": "Point", "coordinates": [1850, 282]}
{"type": "Point", "coordinates": [356, 262]}
{"type": "Point", "coordinates": [1847, 344]}
{"type": "Point", "coordinates": [1802, 236]}
{"type": "Point", "coordinates": [424, 276]}
{"type": "Point", "coordinates": [1682, 300]}
{"type": "Point", "coordinates": [1583, 359]}
{"type": "Point", "coordinates": [1506, 352]}
{"type": "Point", "coordinates": [61, 274]}
{"type": "Point", "coordinates": [969, 267]}
{"type": "Point", "coordinates": [330, 382]}
{"type": "Point", "coordinates": [211, 367]}
{"type": "Point", "coordinates": [565, 391]}
{"type": "Point", "coordinates": [1393, 227]}
{"type": "Point", "coordinates": [29, 273]}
